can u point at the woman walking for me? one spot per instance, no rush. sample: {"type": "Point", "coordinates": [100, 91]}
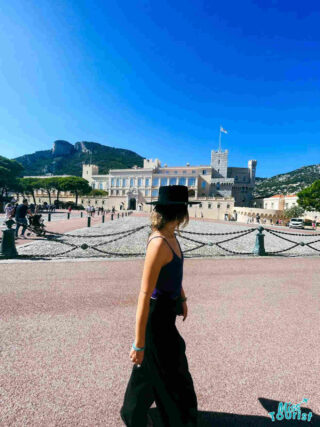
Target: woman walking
{"type": "Point", "coordinates": [160, 372]}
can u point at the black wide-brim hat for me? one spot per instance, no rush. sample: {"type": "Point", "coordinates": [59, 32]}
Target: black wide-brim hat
{"type": "Point", "coordinates": [173, 195]}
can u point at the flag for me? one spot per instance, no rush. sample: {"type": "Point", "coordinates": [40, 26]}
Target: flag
{"type": "Point", "coordinates": [222, 130]}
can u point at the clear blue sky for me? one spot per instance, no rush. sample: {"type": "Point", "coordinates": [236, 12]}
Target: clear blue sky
{"type": "Point", "coordinates": [159, 77]}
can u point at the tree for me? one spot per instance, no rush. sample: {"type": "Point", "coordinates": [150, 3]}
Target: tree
{"type": "Point", "coordinates": [77, 186]}
{"type": "Point", "coordinates": [48, 185]}
{"type": "Point", "coordinates": [29, 185]}
{"type": "Point", "coordinates": [309, 198]}
{"type": "Point", "coordinates": [10, 170]}
{"type": "Point", "coordinates": [294, 212]}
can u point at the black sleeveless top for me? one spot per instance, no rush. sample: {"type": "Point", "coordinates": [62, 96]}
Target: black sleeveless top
{"type": "Point", "coordinates": [170, 277]}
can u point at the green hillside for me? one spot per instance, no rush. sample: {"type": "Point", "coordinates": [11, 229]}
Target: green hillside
{"type": "Point", "coordinates": [67, 159]}
{"type": "Point", "coordinates": [287, 183]}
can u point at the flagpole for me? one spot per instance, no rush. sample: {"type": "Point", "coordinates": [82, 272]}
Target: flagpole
{"type": "Point", "coordinates": [220, 139]}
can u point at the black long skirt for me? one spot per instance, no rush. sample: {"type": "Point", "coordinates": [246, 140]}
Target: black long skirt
{"type": "Point", "coordinates": [163, 376]}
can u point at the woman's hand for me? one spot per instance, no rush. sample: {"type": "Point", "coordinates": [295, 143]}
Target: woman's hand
{"type": "Point", "coordinates": [185, 310]}
{"type": "Point", "coordinates": [136, 356]}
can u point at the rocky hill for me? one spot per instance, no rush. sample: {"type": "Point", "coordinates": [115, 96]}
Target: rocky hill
{"type": "Point", "coordinates": [66, 159]}
{"type": "Point", "coordinates": [287, 183]}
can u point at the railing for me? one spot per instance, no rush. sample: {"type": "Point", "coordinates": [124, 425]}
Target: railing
{"type": "Point", "coordinates": [93, 248]}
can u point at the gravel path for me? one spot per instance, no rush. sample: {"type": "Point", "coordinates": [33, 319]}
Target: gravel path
{"type": "Point", "coordinates": [136, 242]}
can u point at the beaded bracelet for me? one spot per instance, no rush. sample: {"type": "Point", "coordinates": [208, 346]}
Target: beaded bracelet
{"type": "Point", "coordinates": [137, 348]}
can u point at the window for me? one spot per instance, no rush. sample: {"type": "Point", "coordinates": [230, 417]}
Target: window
{"type": "Point", "coordinates": [118, 182]}
{"type": "Point", "coordinates": [101, 186]}
{"type": "Point", "coordinates": [175, 172]}
{"type": "Point", "coordinates": [182, 181]}
{"type": "Point", "coordinates": [154, 193]}
{"type": "Point", "coordinates": [203, 184]}
{"type": "Point", "coordinates": [244, 178]}
{"type": "Point", "coordinates": [113, 182]}
{"type": "Point", "coordinates": [219, 162]}
{"type": "Point", "coordinates": [204, 172]}
{"type": "Point", "coordinates": [193, 171]}
{"type": "Point", "coordinates": [228, 206]}
{"type": "Point", "coordinates": [192, 181]}
{"type": "Point", "coordinates": [184, 171]}
{"type": "Point", "coordinates": [131, 182]}
{"type": "Point", "coordinates": [218, 205]}
{"type": "Point", "coordinates": [93, 185]}
{"type": "Point", "coordinates": [209, 205]}
{"type": "Point", "coordinates": [173, 181]}
{"type": "Point", "coordinates": [218, 185]}
{"type": "Point", "coordinates": [163, 182]}
{"type": "Point", "coordinates": [155, 182]}
{"type": "Point", "coordinates": [147, 192]}
{"type": "Point", "coordinates": [139, 182]}
{"type": "Point", "coordinates": [236, 178]}
{"type": "Point", "coordinates": [147, 182]}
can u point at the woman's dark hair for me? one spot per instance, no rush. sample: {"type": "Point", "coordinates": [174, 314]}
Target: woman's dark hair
{"type": "Point", "coordinates": [162, 214]}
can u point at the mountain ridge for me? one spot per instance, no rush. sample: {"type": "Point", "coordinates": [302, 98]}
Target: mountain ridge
{"type": "Point", "coordinates": [66, 158]}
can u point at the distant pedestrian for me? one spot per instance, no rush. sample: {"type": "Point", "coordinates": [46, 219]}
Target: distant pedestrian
{"type": "Point", "coordinates": [93, 211]}
{"type": "Point", "coordinates": [8, 210]}
{"type": "Point", "coordinates": [70, 209]}
{"type": "Point", "coordinates": [20, 217]}
{"type": "Point", "coordinates": [314, 225]}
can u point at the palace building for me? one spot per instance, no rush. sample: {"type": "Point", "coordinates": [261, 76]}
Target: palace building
{"type": "Point", "coordinates": [141, 184]}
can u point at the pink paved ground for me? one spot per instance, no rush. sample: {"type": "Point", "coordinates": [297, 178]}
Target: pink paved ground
{"type": "Point", "coordinates": [65, 225]}
{"type": "Point", "coordinates": [66, 328]}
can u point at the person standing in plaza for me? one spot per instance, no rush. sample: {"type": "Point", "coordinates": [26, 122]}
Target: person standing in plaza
{"type": "Point", "coordinates": [160, 372]}
{"type": "Point", "coordinates": [20, 217]}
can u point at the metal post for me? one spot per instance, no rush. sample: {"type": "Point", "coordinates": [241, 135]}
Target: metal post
{"type": "Point", "coordinates": [49, 217]}
{"type": "Point", "coordinates": [81, 214]}
{"type": "Point", "coordinates": [89, 221]}
{"type": "Point", "coordinates": [259, 246]}
{"type": "Point", "coordinates": [102, 218]}
{"type": "Point", "coordinates": [8, 245]}
{"type": "Point", "coordinates": [68, 215]}
{"type": "Point", "coordinates": [112, 217]}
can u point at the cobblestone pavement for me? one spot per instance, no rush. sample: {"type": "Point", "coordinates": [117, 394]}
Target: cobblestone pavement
{"type": "Point", "coordinates": [136, 242]}
{"type": "Point", "coordinates": [252, 339]}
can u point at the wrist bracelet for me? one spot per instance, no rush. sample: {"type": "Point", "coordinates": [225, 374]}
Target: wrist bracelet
{"type": "Point", "coordinates": [137, 348]}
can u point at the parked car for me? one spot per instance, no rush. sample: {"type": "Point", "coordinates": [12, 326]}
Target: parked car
{"type": "Point", "coordinates": [296, 223]}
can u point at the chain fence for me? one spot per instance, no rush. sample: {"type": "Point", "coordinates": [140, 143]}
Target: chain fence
{"type": "Point", "coordinates": [85, 244]}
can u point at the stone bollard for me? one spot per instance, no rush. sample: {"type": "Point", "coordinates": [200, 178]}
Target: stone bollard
{"type": "Point", "coordinates": [89, 221]}
{"type": "Point", "coordinates": [102, 218]}
{"type": "Point", "coordinates": [8, 245]}
{"type": "Point", "coordinates": [112, 217]}
{"type": "Point", "coordinates": [49, 217]}
{"type": "Point", "coordinates": [259, 246]}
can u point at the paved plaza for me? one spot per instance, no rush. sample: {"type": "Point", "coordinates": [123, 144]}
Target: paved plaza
{"type": "Point", "coordinates": [66, 328]}
{"type": "Point", "coordinates": [252, 337]}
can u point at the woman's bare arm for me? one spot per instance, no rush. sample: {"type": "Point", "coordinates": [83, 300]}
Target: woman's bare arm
{"type": "Point", "coordinates": [156, 257]}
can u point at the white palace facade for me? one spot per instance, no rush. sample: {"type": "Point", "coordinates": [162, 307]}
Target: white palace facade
{"type": "Point", "coordinates": [216, 183]}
